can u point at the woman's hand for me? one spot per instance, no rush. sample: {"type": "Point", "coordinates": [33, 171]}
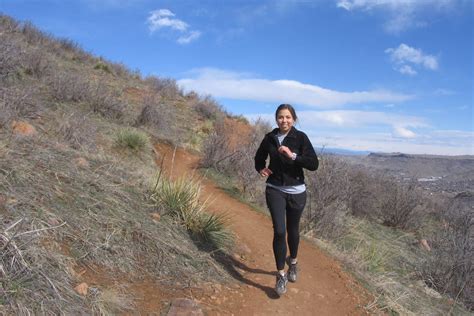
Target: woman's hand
{"type": "Point", "coordinates": [285, 151]}
{"type": "Point", "coordinates": [265, 172]}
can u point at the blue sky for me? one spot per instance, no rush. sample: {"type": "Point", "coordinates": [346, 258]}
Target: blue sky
{"type": "Point", "coordinates": [377, 75]}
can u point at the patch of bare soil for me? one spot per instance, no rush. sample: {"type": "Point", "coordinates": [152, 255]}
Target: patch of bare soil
{"type": "Point", "coordinates": [323, 288]}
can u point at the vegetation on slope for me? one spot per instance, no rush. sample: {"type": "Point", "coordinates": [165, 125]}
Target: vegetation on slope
{"type": "Point", "coordinates": [76, 179]}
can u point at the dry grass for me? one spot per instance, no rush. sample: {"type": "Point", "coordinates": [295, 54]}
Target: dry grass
{"type": "Point", "coordinates": [68, 197]}
{"type": "Point", "coordinates": [70, 215]}
{"type": "Point", "coordinates": [181, 199]}
{"type": "Point", "coordinates": [110, 301]}
{"type": "Point", "coordinates": [385, 260]}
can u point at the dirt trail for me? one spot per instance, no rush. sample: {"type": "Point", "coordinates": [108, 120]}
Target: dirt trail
{"type": "Point", "coordinates": [322, 288]}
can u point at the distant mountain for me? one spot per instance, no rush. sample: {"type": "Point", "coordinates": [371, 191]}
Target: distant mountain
{"type": "Point", "coordinates": [341, 151]}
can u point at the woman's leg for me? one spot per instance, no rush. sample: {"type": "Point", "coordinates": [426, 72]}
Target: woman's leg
{"type": "Point", "coordinates": [294, 210]}
{"type": "Point", "coordinates": [276, 202]}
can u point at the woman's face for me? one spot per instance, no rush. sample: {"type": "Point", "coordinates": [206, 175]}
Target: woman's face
{"type": "Point", "coordinates": [284, 120]}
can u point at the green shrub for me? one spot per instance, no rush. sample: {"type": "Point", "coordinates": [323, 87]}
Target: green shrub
{"type": "Point", "coordinates": [131, 139]}
{"type": "Point", "coordinates": [180, 199]}
{"type": "Point", "coordinates": [102, 66]}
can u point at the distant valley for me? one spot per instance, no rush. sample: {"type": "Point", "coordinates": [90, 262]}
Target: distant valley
{"type": "Point", "coordinates": [451, 174]}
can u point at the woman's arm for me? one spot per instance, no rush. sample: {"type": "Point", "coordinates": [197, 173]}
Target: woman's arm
{"type": "Point", "coordinates": [308, 158]}
{"type": "Point", "coordinates": [261, 156]}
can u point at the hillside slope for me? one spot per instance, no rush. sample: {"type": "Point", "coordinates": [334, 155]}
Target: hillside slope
{"type": "Point", "coordinates": [78, 231]}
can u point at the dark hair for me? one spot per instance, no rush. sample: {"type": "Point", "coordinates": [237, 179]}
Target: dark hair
{"type": "Point", "coordinates": [288, 107]}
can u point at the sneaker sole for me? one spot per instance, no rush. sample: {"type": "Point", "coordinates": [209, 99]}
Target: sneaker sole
{"type": "Point", "coordinates": [280, 294]}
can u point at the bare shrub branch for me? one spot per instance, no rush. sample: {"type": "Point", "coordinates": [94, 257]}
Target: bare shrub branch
{"type": "Point", "coordinates": [10, 57]}
{"type": "Point", "coordinates": [104, 101]}
{"type": "Point", "coordinates": [399, 204]}
{"type": "Point", "coordinates": [17, 104]}
{"type": "Point", "coordinates": [77, 131]}
{"type": "Point", "coordinates": [166, 87]}
{"type": "Point", "coordinates": [208, 108]}
{"type": "Point", "coordinates": [36, 63]}
{"type": "Point", "coordinates": [67, 86]}
{"type": "Point", "coordinates": [449, 268]}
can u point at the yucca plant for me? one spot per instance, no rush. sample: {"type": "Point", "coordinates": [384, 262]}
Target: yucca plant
{"type": "Point", "coordinates": [129, 138]}
{"type": "Point", "coordinates": [213, 230]}
{"type": "Point", "coordinates": [180, 199]}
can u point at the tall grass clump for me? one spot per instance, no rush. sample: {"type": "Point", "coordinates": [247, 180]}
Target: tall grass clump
{"type": "Point", "coordinates": [180, 200]}
{"type": "Point", "coordinates": [131, 139]}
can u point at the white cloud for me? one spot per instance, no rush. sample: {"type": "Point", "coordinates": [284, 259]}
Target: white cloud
{"type": "Point", "coordinates": [165, 19]}
{"type": "Point", "coordinates": [398, 124]}
{"type": "Point", "coordinates": [402, 14]}
{"type": "Point", "coordinates": [407, 70]}
{"type": "Point", "coordinates": [388, 143]}
{"type": "Point", "coordinates": [379, 131]}
{"type": "Point", "coordinates": [186, 39]}
{"type": "Point", "coordinates": [226, 84]}
{"type": "Point", "coordinates": [405, 56]}
{"type": "Point", "coordinates": [403, 132]}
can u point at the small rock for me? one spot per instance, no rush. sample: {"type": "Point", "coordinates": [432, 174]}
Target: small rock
{"type": "Point", "coordinates": [425, 245]}
{"type": "Point", "coordinates": [53, 221]}
{"type": "Point", "coordinates": [184, 306]}
{"type": "Point", "coordinates": [155, 217]}
{"type": "Point", "coordinates": [3, 202]}
{"type": "Point", "coordinates": [23, 128]}
{"type": "Point", "coordinates": [82, 289]}
{"type": "Point", "coordinates": [81, 162]}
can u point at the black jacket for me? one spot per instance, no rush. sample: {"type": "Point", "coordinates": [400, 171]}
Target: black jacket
{"type": "Point", "coordinates": [285, 170]}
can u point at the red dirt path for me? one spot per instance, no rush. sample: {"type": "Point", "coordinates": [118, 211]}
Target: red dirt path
{"type": "Point", "coordinates": [323, 288]}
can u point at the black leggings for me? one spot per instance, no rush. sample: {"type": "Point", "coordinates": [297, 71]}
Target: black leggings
{"type": "Point", "coordinates": [290, 206]}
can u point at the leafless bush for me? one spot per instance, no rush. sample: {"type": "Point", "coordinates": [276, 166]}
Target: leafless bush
{"type": "Point", "coordinates": [7, 24]}
{"type": "Point", "coordinates": [77, 131]}
{"type": "Point", "coordinates": [156, 114]}
{"type": "Point", "coordinates": [328, 191]}
{"type": "Point", "coordinates": [215, 147]}
{"type": "Point", "coordinates": [364, 194]}
{"type": "Point", "coordinates": [73, 87]}
{"type": "Point", "coordinates": [68, 44]}
{"type": "Point", "coordinates": [33, 35]}
{"type": "Point", "coordinates": [103, 100]}
{"type": "Point", "coordinates": [17, 103]}
{"type": "Point", "coordinates": [231, 148]}
{"type": "Point", "coordinates": [10, 56]}
{"type": "Point", "coordinates": [36, 63]}
{"type": "Point", "coordinates": [150, 113]}
{"type": "Point", "coordinates": [449, 268]}
{"type": "Point", "coordinates": [399, 203]}
{"type": "Point", "coordinates": [68, 86]}
{"type": "Point", "coordinates": [120, 69]}
{"type": "Point", "coordinates": [208, 108]}
{"type": "Point", "coordinates": [166, 87]}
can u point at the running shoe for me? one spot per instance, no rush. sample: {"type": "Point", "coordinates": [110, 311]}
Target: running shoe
{"type": "Point", "coordinates": [293, 272]}
{"type": "Point", "coordinates": [281, 282]}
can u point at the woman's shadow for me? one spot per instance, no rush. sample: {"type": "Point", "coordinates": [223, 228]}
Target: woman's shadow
{"type": "Point", "coordinates": [230, 264]}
